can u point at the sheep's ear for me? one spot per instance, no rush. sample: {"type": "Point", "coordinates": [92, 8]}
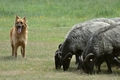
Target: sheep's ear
{"type": "Point", "coordinates": [89, 57]}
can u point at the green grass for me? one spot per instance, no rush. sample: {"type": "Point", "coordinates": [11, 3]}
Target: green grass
{"type": "Point", "coordinates": [48, 21]}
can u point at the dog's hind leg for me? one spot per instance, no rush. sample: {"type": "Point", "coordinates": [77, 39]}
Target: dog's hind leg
{"type": "Point", "coordinates": [12, 49]}
{"type": "Point", "coordinates": [23, 52]}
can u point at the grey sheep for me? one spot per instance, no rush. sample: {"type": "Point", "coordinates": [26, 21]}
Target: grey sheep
{"type": "Point", "coordinates": [78, 36]}
{"type": "Point", "coordinates": [104, 42]}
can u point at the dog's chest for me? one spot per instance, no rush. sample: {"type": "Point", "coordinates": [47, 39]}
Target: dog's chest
{"type": "Point", "coordinates": [20, 39]}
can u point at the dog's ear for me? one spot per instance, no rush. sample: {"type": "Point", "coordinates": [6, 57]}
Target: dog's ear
{"type": "Point", "coordinates": [17, 17]}
{"type": "Point", "coordinates": [24, 19]}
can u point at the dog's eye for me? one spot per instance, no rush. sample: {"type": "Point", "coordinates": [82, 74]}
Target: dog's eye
{"type": "Point", "coordinates": [17, 22]}
{"type": "Point", "coordinates": [21, 22]}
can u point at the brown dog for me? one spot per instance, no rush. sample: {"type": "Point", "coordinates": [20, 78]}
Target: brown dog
{"type": "Point", "coordinates": [18, 36]}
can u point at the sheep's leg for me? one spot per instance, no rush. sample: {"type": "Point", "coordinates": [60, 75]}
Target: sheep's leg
{"type": "Point", "coordinates": [109, 60]}
{"type": "Point", "coordinates": [79, 52]}
{"type": "Point", "coordinates": [100, 61]}
{"type": "Point", "coordinates": [77, 58]}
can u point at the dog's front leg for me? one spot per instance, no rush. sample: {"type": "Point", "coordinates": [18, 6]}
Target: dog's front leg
{"type": "Point", "coordinates": [15, 50]}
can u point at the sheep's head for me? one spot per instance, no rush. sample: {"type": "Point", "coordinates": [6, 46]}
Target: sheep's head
{"type": "Point", "coordinates": [66, 61]}
{"type": "Point", "coordinates": [88, 63]}
{"type": "Point", "coordinates": [58, 59]}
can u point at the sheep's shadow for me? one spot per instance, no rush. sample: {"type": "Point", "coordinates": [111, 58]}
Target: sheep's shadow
{"type": "Point", "coordinates": [73, 69]}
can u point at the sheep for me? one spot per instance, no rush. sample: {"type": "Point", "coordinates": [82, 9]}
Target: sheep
{"type": "Point", "coordinates": [78, 36]}
{"type": "Point", "coordinates": [116, 19]}
{"type": "Point", "coordinates": [104, 42]}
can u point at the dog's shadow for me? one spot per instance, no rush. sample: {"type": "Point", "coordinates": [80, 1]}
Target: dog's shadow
{"type": "Point", "coordinates": [6, 58]}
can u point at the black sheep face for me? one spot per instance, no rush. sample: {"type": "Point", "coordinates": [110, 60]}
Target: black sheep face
{"type": "Point", "coordinates": [88, 66]}
{"type": "Point", "coordinates": [66, 63]}
{"type": "Point", "coordinates": [58, 59]}
{"type": "Point", "coordinates": [88, 63]}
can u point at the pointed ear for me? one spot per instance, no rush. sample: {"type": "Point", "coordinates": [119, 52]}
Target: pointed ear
{"type": "Point", "coordinates": [17, 17]}
{"type": "Point", "coordinates": [24, 19]}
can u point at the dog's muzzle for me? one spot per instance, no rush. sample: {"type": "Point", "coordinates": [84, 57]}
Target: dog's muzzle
{"type": "Point", "coordinates": [19, 29]}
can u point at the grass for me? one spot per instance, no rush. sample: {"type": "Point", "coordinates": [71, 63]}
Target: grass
{"type": "Point", "coordinates": [49, 21]}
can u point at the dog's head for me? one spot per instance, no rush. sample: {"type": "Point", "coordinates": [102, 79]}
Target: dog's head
{"type": "Point", "coordinates": [20, 24]}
